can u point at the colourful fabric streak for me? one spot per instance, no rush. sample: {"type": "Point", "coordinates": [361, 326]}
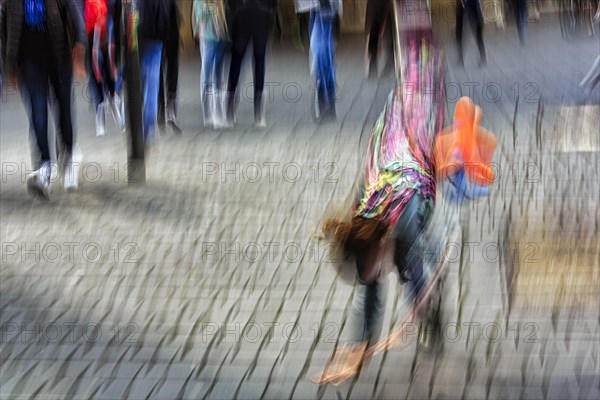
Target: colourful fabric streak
{"type": "Point", "coordinates": [400, 156]}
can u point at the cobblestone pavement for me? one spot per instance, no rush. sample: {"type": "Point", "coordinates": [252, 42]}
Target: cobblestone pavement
{"type": "Point", "coordinates": [211, 281]}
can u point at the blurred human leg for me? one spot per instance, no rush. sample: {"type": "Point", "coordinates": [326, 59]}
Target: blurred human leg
{"type": "Point", "coordinates": [459, 28]}
{"type": "Point", "coordinates": [96, 74]}
{"type": "Point", "coordinates": [71, 158]}
{"type": "Point", "coordinates": [219, 57]}
{"type": "Point", "coordinates": [35, 98]}
{"type": "Point", "coordinates": [475, 17]}
{"type": "Point", "coordinates": [520, 9]}
{"type": "Point", "coordinates": [207, 85]}
{"type": "Point", "coordinates": [408, 255]}
{"type": "Point", "coordinates": [151, 53]}
{"type": "Point", "coordinates": [241, 36]}
{"type": "Point", "coordinates": [172, 76]}
{"type": "Point", "coordinates": [260, 38]}
{"type": "Point", "coordinates": [323, 62]}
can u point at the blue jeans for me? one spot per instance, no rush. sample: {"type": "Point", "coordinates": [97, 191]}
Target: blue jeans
{"type": "Point", "coordinates": [150, 57]}
{"type": "Point", "coordinates": [211, 76]}
{"type": "Point", "coordinates": [367, 307]}
{"type": "Point", "coordinates": [323, 56]}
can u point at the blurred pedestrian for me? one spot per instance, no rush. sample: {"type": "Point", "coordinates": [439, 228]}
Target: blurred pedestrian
{"type": "Point", "coordinates": [209, 25]}
{"type": "Point", "coordinates": [378, 12]}
{"type": "Point", "coordinates": [41, 49]}
{"type": "Point", "coordinates": [472, 8]}
{"type": "Point", "coordinates": [1, 52]}
{"type": "Point", "coordinates": [302, 8]}
{"type": "Point", "coordinates": [249, 21]}
{"type": "Point", "coordinates": [102, 18]}
{"type": "Point", "coordinates": [169, 73]}
{"type": "Point", "coordinates": [322, 55]}
{"type": "Point", "coordinates": [155, 27]}
{"type": "Point", "coordinates": [520, 10]}
{"type": "Point", "coordinates": [408, 155]}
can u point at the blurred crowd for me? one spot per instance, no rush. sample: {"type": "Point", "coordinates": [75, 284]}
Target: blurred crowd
{"type": "Point", "coordinates": [45, 44]}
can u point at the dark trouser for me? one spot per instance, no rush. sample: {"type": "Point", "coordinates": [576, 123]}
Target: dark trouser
{"type": "Point", "coordinates": [169, 80]}
{"type": "Point", "coordinates": [249, 25]}
{"type": "Point", "coordinates": [473, 11]}
{"type": "Point", "coordinates": [520, 9]}
{"type": "Point", "coordinates": [408, 257]}
{"type": "Point", "coordinates": [106, 80]}
{"type": "Point", "coordinates": [35, 77]}
{"type": "Point", "coordinates": [376, 14]}
{"type": "Point", "coordinates": [303, 26]}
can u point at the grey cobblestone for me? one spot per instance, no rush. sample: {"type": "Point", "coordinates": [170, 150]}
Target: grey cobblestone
{"type": "Point", "coordinates": [173, 290]}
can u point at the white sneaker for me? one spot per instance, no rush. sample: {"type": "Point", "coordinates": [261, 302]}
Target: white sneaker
{"type": "Point", "coordinates": [219, 109]}
{"type": "Point", "coordinates": [207, 111]}
{"type": "Point", "coordinates": [100, 120]}
{"type": "Point", "coordinates": [116, 107]}
{"type": "Point", "coordinates": [71, 171]}
{"type": "Point", "coordinates": [38, 183]}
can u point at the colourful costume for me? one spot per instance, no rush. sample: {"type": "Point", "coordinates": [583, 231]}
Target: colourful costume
{"type": "Point", "coordinates": [400, 155]}
{"type": "Point", "coordinates": [408, 152]}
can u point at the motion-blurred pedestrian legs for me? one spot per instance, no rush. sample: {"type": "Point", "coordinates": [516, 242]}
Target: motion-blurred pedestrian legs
{"type": "Point", "coordinates": [209, 25]}
{"type": "Point", "coordinates": [101, 18]}
{"type": "Point", "coordinates": [250, 22]}
{"type": "Point", "coordinates": [150, 53]}
{"type": "Point", "coordinates": [213, 53]}
{"type": "Point", "coordinates": [40, 54]}
{"type": "Point", "coordinates": [322, 53]}
{"type": "Point", "coordinates": [377, 19]}
{"type": "Point", "coordinates": [472, 9]}
{"type": "Point", "coordinates": [156, 25]}
{"type": "Point", "coordinates": [169, 73]}
{"type": "Point", "coordinates": [520, 9]}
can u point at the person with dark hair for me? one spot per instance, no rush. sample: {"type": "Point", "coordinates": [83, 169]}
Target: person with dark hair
{"type": "Point", "coordinates": [249, 21]}
{"type": "Point", "coordinates": [472, 8]}
{"type": "Point", "coordinates": [169, 73]}
{"type": "Point", "coordinates": [155, 28]}
{"type": "Point", "coordinates": [408, 153]}
{"type": "Point", "coordinates": [44, 44]}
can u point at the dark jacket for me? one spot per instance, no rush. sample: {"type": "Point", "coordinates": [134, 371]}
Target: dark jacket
{"type": "Point", "coordinates": [377, 12]}
{"type": "Point", "coordinates": [264, 5]}
{"type": "Point", "coordinates": [156, 19]}
{"type": "Point", "coordinates": [241, 9]}
{"type": "Point", "coordinates": [11, 24]}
